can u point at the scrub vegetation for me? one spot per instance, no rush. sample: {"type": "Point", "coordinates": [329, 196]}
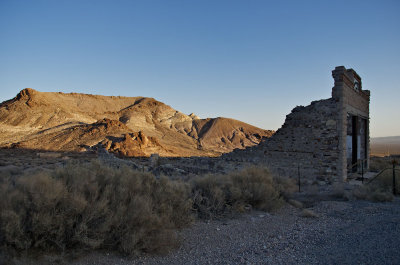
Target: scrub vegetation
{"type": "Point", "coordinates": [92, 206]}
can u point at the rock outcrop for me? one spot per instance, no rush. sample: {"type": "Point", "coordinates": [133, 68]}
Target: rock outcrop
{"type": "Point", "coordinates": [128, 126]}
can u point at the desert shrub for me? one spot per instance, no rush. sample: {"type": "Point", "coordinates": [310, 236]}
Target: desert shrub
{"type": "Point", "coordinates": [338, 190]}
{"type": "Point", "coordinates": [380, 188]}
{"type": "Point", "coordinates": [385, 180]}
{"type": "Point", "coordinates": [308, 213]}
{"type": "Point", "coordinates": [287, 186]}
{"type": "Point", "coordinates": [377, 164]}
{"type": "Point", "coordinates": [296, 203]}
{"type": "Point", "coordinates": [373, 193]}
{"type": "Point", "coordinates": [92, 206]}
{"type": "Point", "coordinates": [219, 195]}
{"type": "Point", "coordinates": [9, 170]}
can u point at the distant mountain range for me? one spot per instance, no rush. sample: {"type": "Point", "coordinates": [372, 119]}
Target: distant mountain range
{"type": "Point", "coordinates": [127, 126]}
{"type": "Point", "coordinates": [381, 146]}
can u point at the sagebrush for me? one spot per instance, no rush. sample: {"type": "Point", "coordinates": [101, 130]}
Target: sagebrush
{"type": "Point", "coordinates": [377, 164]}
{"type": "Point", "coordinates": [254, 187]}
{"type": "Point", "coordinates": [380, 189]}
{"type": "Point", "coordinates": [92, 206]}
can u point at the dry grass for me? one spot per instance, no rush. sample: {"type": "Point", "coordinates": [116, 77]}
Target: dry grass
{"type": "Point", "coordinates": [339, 191]}
{"type": "Point", "coordinates": [8, 171]}
{"type": "Point", "coordinates": [220, 195]}
{"type": "Point", "coordinates": [379, 163]}
{"type": "Point", "coordinates": [308, 213]}
{"type": "Point", "coordinates": [386, 180]}
{"type": "Point", "coordinates": [373, 193]}
{"type": "Point", "coordinates": [92, 206]}
{"type": "Point", "coordinates": [381, 188]}
{"type": "Point", "coordinates": [296, 204]}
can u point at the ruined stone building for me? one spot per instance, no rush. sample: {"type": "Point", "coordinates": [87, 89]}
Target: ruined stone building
{"type": "Point", "coordinates": [323, 140]}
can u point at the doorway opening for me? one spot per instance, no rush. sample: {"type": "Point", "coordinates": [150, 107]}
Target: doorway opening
{"type": "Point", "coordinates": [356, 143]}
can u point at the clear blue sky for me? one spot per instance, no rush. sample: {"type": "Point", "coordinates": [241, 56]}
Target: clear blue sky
{"type": "Point", "coordinates": [249, 60]}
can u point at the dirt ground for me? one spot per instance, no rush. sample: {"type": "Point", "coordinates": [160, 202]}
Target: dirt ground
{"type": "Point", "coordinates": [325, 230]}
{"type": "Point", "coordinates": [338, 232]}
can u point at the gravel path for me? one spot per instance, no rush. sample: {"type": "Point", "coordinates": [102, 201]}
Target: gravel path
{"type": "Point", "coordinates": [354, 232]}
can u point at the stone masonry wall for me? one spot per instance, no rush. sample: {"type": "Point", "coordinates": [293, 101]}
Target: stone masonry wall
{"type": "Point", "coordinates": [350, 101]}
{"type": "Point", "coordinates": [312, 140]}
{"type": "Point", "coordinates": [307, 142]}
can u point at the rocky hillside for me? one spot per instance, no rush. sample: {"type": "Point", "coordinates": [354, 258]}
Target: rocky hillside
{"type": "Point", "coordinates": [128, 126]}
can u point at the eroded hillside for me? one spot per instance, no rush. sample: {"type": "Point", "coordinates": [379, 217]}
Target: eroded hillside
{"type": "Point", "coordinates": [128, 126]}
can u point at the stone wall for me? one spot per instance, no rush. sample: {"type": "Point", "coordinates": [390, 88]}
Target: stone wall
{"type": "Point", "coordinates": [352, 100]}
{"type": "Point", "coordinates": [312, 141]}
{"type": "Point", "coordinates": [307, 143]}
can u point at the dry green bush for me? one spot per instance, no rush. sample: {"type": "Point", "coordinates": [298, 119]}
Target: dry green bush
{"type": "Point", "coordinates": [92, 206]}
{"type": "Point", "coordinates": [219, 195]}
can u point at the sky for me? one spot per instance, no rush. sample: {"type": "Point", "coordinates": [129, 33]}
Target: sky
{"type": "Point", "coordinates": [253, 61]}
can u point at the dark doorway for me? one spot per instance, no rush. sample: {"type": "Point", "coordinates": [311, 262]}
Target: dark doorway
{"type": "Point", "coordinates": [357, 143]}
{"type": "Point", "coordinates": [354, 134]}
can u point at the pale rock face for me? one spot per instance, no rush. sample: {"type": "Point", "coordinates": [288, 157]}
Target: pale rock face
{"type": "Point", "coordinates": [176, 117]}
{"type": "Point", "coordinates": [140, 122]}
{"type": "Point", "coordinates": [194, 116]}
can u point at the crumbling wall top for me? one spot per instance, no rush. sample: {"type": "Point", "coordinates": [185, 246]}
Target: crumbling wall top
{"type": "Point", "coordinates": [348, 79]}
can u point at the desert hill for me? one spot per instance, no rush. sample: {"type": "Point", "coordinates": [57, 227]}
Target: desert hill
{"type": "Point", "coordinates": [128, 126]}
{"type": "Point", "coordinates": [383, 146]}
